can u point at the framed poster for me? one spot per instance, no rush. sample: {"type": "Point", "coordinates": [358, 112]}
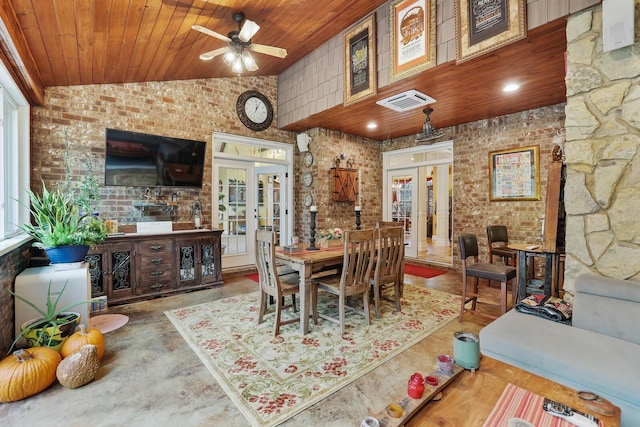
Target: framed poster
{"type": "Point", "coordinates": [514, 174]}
{"type": "Point", "coordinates": [483, 26]}
{"type": "Point", "coordinates": [413, 37]}
{"type": "Point", "coordinates": [360, 68]}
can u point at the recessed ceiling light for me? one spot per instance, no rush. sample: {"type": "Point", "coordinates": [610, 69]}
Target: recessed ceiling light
{"type": "Point", "coordinates": [372, 125]}
{"type": "Point", "coordinates": [511, 87]}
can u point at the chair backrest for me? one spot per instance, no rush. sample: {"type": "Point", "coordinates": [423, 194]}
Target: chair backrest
{"type": "Point", "coordinates": [468, 246]}
{"type": "Point", "coordinates": [390, 254]}
{"type": "Point", "coordinates": [359, 256]}
{"type": "Point", "coordinates": [266, 262]}
{"type": "Point", "coordinates": [497, 234]}
{"type": "Point", "coordinates": [388, 224]}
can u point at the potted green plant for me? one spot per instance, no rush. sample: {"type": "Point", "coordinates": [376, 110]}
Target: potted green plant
{"type": "Point", "coordinates": [59, 228]}
{"type": "Point", "coordinates": [54, 325]}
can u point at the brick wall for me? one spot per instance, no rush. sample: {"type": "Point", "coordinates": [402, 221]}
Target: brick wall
{"type": "Point", "coordinates": [472, 142]}
{"type": "Point", "coordinates": [12, 264]}
{"type": "Point", "coordinates": [191, 109]}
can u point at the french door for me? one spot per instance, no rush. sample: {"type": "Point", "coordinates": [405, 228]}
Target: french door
{"type": "Point", "coordinates": [402, 185]}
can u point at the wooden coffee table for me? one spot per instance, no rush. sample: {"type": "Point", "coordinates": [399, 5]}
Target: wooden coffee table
{"type": "Point", "coordinates": [470, 398]}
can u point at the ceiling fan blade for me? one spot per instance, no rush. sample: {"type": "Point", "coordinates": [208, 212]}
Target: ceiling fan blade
{"type": "Point", "coordinates": [211, 33]}
{"type": "Point", "coordinates": [268, 50]}
{"type": "Point", "coordinates": [249, 29]}
{"type": "Point", "coordinates": [212, 54]}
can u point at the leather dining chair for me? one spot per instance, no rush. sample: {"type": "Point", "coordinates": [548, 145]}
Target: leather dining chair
{"type": "Point", "coordinates": [498, 239]}
{"type": "Point", "coordinates": [357, 266]}
{"type": "Point", "coordinates": [482, 270]}
{"type": "Point", "coordinates": [271, 282]}
{"type": "Point", "coordinates": [388, 265]}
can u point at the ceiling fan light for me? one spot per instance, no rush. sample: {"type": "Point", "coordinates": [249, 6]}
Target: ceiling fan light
{"type": "Point", "coordinates": [249, 29]}
{"type": "Point", "coordinates": [249, 63]}
{"type": "Point", "coordinates": [237, 65]}
{"type": "Point", "coordinates": [229, 57]}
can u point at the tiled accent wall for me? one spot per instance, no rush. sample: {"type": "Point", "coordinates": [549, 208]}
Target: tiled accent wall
{"type": "Point", "coordinates": [191, 109]}
{"type": "Point", "coordinates": [13, 263]}
{"type": "Point", "coordinates": [316, 82]}
{"type": "Point", "coordinates": [472, 142]}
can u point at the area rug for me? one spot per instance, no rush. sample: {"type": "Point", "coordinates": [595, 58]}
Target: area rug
{"type": "Point", "coordinates": [271, 379]}
{"type": "Point", "coordinates": [418, 270]}
{"type": "Point", "coordinates": [253, 277]}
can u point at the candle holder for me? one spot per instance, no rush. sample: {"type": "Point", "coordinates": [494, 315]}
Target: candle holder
{"type": "Point", "coordinates": [312, 226]}
{"type": "Point", "coordinates": [358, 212]}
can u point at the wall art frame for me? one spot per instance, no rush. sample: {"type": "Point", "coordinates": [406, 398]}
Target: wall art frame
{"type": "Point", "coordinates": [360, 65]}
{"type": "Point", "coordinates": [412, 28]}
{"type": "Point", "coordinates": [514, 174]}
{"type": "Point", "coordinates": [482, 27]}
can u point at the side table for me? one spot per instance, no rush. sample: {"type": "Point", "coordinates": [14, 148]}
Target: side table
{"type": "Point", "coordinates": [527, 284]}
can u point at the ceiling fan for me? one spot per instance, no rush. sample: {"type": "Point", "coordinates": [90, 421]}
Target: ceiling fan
{"type": "Point", "coordinates": [237, 53]}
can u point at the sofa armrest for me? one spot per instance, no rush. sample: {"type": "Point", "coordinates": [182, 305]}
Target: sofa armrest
{"type": "Point", "coordinates": [607, 306]}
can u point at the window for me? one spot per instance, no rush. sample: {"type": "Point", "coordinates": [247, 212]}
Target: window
{"type": "Point", "coordinates": [14, 158]}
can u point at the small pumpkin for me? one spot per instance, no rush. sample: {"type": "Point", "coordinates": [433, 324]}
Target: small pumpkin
{"type": "Point", "coordinates": [83, 337]}
{"type": "Point", "coordinates": [26, 372]}
{"type": "Point", "coordinates": [79, 368]}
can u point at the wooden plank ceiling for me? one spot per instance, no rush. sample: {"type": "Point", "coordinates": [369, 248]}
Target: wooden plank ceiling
{"type": "Point", "coordinates": [78, 42]}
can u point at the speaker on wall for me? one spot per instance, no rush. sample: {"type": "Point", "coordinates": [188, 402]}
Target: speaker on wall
{"type": "Point", "coordinates": [617, 24]}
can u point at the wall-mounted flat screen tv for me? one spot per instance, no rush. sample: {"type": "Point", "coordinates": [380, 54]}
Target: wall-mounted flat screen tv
{"type": "Point", "coordinates": [136, 159]}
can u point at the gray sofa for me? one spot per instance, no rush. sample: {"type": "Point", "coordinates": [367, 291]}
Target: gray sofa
{"type": "Point", "coordinates": [599, 352]}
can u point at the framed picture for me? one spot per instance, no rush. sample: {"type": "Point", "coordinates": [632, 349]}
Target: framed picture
{"type": "Point", "coordinates": [360, 68]}
{"type": "Point", "coordinates": [483, 26]}
{"type": "Point", "coordinates": [515, 174]}
{"type": "Point", "coordinates": [413, 37]}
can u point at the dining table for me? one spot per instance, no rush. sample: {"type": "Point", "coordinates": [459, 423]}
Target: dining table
{"type": "Point", "coordinates": [309, 263]}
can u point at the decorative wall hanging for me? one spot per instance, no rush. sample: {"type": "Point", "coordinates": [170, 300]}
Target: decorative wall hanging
{"type": "Point", "coordinates": [515, 174]}
{"type": "Point", "coordinates": [483, 26]}
{"type": "Point", "coordinates": [413, 37]}
{"type": "Point", "coordinates": [360, 69]}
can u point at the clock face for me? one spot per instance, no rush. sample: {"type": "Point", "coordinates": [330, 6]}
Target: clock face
{"type": "Point", "coordinates": [254, 110]}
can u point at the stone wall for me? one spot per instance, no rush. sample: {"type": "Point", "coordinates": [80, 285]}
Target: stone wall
{"type": "Point", "coordinates": [191, 109]}
{"type": "Point", "coordinates": [472, 142]}
{"type": "Point", "coordinates": [602, 192]}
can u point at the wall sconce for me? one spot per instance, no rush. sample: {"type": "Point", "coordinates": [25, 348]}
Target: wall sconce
{"type": "Point", "coordinates": [303, 142]}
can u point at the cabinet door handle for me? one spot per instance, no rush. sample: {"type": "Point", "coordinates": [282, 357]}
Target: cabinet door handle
{"type": "Point", "coordinates": [157, 273]}
{"type": "Point", "coordinates": [156, 260]}
{"type": "Point", "coordinates": [156, 287]}
{"type": "Point", "coordinates": [156, 247]}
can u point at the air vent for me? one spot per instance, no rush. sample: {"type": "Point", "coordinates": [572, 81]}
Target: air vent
{"type": "Point", "coordinates": [406, 101]}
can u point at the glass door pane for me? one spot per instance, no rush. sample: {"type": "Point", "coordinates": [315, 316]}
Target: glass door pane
{"type": "Point", "coordinates": [271, 213]}
{"type": "Point", "coordinates": [401, 207]}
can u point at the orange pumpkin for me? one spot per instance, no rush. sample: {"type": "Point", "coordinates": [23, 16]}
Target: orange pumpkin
{"type": "Point", "coordinates": [83, 337]}
{"type": "Point", "coordinates": [27, 372]}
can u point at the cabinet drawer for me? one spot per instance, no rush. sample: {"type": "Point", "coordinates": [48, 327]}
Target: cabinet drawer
{"type": "Point", "coordinates": [145, 287]}
{"type": "Point", "coordinates": [156, 272]}
{"type": "Point", "coordinates": [156, 247]}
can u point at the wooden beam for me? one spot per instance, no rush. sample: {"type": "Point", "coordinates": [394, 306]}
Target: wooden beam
{"type": "Point", "coordinates": [16, 56]}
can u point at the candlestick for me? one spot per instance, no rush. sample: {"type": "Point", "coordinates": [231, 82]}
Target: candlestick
{"type": "Point", "coordinates": [313, 208]}
{"type": "Point", "coordinates": [358, 217]}
{"type": "Point", "coordinates": [312, 226]}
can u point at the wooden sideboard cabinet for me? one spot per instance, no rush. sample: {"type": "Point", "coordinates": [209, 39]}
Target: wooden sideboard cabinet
{"type": "Point", "coordinates": [142, 266]}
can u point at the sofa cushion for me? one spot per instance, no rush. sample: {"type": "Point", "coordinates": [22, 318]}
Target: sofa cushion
{"type": "Point", "coordinates": [607, 306]}
{"type": "Point", "coordinates": [577, 358]}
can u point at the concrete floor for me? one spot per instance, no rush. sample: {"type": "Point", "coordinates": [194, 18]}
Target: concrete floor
{"type": "Point", "coordinates": [150, 377]}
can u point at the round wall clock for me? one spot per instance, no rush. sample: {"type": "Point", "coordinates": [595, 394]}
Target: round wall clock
{"type": "Point", "coordinates": [254, 110]}
{"type": "Point", "coordinates": [308, 159]}
{"type": "Point", "coordinates": [307, 179]}
{"type": "Point", "coordinates": [308, 200]}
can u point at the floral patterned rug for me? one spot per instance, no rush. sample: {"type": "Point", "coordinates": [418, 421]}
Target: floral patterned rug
{"type": "Point", "coordinates": [271, 379]}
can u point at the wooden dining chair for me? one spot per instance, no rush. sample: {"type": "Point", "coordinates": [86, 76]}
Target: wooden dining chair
{"type": "Point", "coordinates": [498, 240]}
{"type": "Point", "coordinates": [271, 282]}
{"type": "Point", "coordinates": [388, 265]}
{"type": "Point", "coordinates": [357, 266]}
{"type": "Point", "coordinates": [483, 270]}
